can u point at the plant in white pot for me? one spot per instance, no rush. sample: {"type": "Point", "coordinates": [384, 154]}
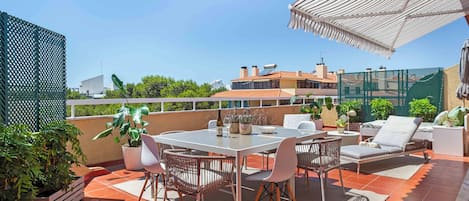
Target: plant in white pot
{"type": "Point", "coordinates": [315, 109]}
{"type": "Point", "coordinates": [128, 121]}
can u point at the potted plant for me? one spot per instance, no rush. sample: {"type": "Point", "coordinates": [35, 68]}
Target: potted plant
{"type": "Point", "coordinates": [58, 148]}
{"type": "Point", "coordinates": [381, 108]}
{"type": "Point", "coordinates": [341, 123]}
{"type": "Point", "coordinates": [129, 123]}
{"type": "Point", "coordinates": [315, 109]}
{"type": "Point", "coordinates": [245, 124]}
{"type": "Point", "coordinates": [422, 108]}
{"type": "Point", "coordinates": [234, 124]}
{"type": "Point", "coordinates": [352, 109]}
{"type": "Point", "coordinates": [38, 164]}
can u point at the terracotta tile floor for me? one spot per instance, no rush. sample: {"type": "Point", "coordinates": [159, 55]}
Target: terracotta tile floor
{"type": "Point", "coordinates": [437, 180]}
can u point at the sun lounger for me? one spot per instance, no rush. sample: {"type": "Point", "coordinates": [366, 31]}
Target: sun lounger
{"type": "Point", "coordinates": [392, 140]}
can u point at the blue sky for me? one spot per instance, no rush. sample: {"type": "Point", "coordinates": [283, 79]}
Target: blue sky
{"type": "Point", "coordinates": [208, 39]}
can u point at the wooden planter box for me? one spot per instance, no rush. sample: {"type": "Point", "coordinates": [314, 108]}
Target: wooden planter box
{"type": "Point", "coordinates": [76, 192]}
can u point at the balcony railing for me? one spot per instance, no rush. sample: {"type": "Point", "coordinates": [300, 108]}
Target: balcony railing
{"type": "Point", "coordinates": [235, 102]}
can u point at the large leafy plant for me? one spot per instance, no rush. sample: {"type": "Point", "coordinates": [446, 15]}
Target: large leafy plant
{"type": "Point", "coordinates": [19, 163]}
{"type": "Point", "coordinates": [422, 108]}
{"type": "Point", "coordinates": [381, 108]}
{"type": "Point", "coordinates": [58, 148]}
{"type": "Point", "coordinates": [37, 163]}
{"type": "Point", "coordinates": [128, 120]}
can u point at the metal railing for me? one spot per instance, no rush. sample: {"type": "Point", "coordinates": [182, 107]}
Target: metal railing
{"type": "Point", "coordinates": [299, 101]}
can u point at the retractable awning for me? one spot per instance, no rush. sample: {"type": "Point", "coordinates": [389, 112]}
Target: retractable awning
{"type": "Point", "coordinates": [376, 26]}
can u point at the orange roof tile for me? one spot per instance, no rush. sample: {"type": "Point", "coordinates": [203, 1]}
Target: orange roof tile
{"type": "Point", "coordinates": [289, 75]}
{"type": "Point", "coordinates": [240, 93]}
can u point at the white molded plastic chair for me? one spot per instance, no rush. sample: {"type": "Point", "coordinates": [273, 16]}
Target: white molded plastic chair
{"type": "Point", "coordinates": [292, 120]}
{"type": "Point", "coordinates": [151, 161]}
{"type": "Point", "coordinates": [212, 124]}
{"type": "Point", "coordinates": [307, 125]}
{"type": "Point", "coordinates": [284, 168]}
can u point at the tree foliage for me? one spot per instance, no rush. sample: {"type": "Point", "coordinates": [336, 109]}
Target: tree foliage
{"type": "Point", "coordinates": [152, 86]}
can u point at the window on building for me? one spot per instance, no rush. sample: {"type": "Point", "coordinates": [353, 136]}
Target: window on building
{"type": "Point", "coordinates": [357, 90]}
{"type": "Point", "coordinates": [347, 90]}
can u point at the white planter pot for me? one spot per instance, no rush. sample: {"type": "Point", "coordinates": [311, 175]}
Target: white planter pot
{"type": "Point", "coordinates": [132, 157]}
{"type": "Point", "coordinates": [448, 140]}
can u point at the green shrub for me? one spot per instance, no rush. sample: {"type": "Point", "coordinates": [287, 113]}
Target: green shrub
{"type": "Point", "coordinates": [381, 108]}
{"type": "Point", "coordinates": [37, 163]}
{"type": "Point", "coordinates": [347, 106]}
{"type": "Point", "coordinates": [20, 165]}
{"type": "Point", "coordinates": [314, 108]}
{"type": "Point", "coordinates": [422, 108]}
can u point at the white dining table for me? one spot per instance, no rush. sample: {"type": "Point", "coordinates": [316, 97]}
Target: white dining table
{"type": "Point", "coordinates": [236, 145]}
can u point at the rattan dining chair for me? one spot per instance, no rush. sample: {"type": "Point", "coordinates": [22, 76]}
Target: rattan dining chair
{"type": "Point", "coordinates": [196, 175]}
{"type": "Point", "coordinates": [284, 168]}
{"type": "Point", "coordinates": [167, 146]}
{"type": "Point", "coordinates": [304, 125]}
{"type": "Point", "coordinates": [150, 158]}
{"type": "Point", "coordinates": [320, 156]}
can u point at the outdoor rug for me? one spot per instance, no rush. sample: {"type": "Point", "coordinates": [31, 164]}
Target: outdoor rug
{"type": "Point", "coordinates": [403, 167]}
{"type": "Point", "coordinates": [303, 192]}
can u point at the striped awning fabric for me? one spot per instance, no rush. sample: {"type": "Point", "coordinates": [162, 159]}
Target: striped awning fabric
{"type": "Point", "coordinates": [376, 26]}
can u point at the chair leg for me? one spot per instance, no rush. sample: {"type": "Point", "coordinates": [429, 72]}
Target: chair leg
{"type": "Point", "coordinates": [341, 180]}
{"type": "Point", "coordinates": [271, 197]}
{"type": "Point", "coordinates": [233, 191]}
{"type": "Point", "coordinates": [267, 162]}
{"type": "Point", "coordinates": [358, 168]}
{"type": "Point", "coordinates": [325, 179]}
{"type": "Point", "coordinates": [277, 191]}
{"type": "Point", "coordinates": [321, 180]}
{"type": "Point", "coordinates": [179, 194]}
{"type": "Point", "coordinates": [165, 195]}
{"type": "Point", "coordinates": [307, 176]}
{"type": "Point", "coordinates": [290, 192]}
{"type": "Point", "coordinates": [259, 192]}
{"type": "Point", "coordinates": [156, 185]}
{"type": "Point", "coordinates": [144, 185]}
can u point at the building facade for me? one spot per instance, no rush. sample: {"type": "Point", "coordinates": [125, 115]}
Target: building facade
{"type": "Point", "coordinates": [283, 84]}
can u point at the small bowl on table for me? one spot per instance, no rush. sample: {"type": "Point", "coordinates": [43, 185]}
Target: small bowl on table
{"type": "Point", "coordinates": [267, 129]}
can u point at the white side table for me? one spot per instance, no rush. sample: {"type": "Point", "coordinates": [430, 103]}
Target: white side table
{"type": "Point", "coordinates": [348, 137]}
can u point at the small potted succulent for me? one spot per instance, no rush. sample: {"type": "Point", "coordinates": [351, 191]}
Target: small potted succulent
{"type": "Point", "coordinates": [341, 123]}
{"type": "Point", "coordinates": [245, 124]}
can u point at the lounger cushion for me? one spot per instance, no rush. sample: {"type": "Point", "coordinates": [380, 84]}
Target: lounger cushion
{"type": "Point", "coordinates": [397, 131]}
{"type": "Point", "coordinates": [359, 152]}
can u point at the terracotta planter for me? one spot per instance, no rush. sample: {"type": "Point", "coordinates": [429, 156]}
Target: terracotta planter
{"type": "Point", "coordinates": [132, 157]}
{"type": "Point", "coordinates": [234, 128]}
{"type": "Point", "coordinates": [354, 126]}
{"type": "Point", "coordinates": [245, 129]}
{"type": "Point", "coordinates": [319, 124]}
{"type": "Point", "coordinates": [75, 192]}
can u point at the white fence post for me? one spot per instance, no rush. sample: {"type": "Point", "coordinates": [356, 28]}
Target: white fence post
{"type": "Point", "coordinates": [72, 111]}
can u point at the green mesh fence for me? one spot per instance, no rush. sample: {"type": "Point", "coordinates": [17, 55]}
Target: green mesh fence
{"type": "Point", "coordinates": [32, 65]}
{"type": "Point", "coordinates": [398, 86]}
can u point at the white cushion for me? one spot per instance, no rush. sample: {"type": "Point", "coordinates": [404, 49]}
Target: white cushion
{"type": "Point", "coordinates": [397, 131]}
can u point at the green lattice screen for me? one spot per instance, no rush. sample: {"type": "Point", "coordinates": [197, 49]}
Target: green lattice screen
{"type": "Point", "coordinates": [398, 86]}
{"type": "Point", "coordinates": [32, 65]}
